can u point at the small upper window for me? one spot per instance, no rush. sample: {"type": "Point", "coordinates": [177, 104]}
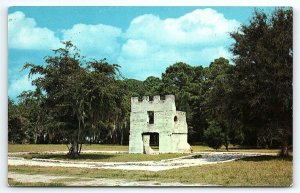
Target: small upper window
{"type": "Point", "coordinates": [150, 117]}
{"type": "Point", "coordinates": [140, 99]}
{"type": "Point", "coordinates": [175, 119]}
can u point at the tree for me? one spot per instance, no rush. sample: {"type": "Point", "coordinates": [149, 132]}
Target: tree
{"type": "Point", "coordinates": [219, 103]}
{"type": "Point", "coordinates": [108, 107]}
{"type": "Point", "coordinates": [56, 80]}
{"type": "Point", "coordinates": [214, 135]}
{"type": "Point", "coordinates": [263, 55]}
{"type": "Point", "coordinates": [80, 96]}
{"type": "Point", "coordinates": [185, 82]}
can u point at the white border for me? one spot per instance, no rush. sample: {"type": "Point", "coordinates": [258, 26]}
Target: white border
{"type": "Point", "coordinates": [4, 4]}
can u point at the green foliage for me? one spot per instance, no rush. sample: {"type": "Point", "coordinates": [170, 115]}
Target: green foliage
{"type": "Point", "coordinates": [219, 104]}
{"type": "Point", "coordinates": [263, 55]}
{"type": "Point", "coordinates": [134, 87]}
{"type": "Point", "coordinates": [214, 136]}
{"type": "Point", "coordinates": [80, 97]}
{"type": "Point", "coordinates": [151, 86]}
{"type": "Point", "coordinates": [185, 82]}
{"type": "Point", "coordinates": [16, 123]}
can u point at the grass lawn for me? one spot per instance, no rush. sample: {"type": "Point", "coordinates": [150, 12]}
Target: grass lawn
{"type": "Point", "coordinates": [11, 182]}
{"type": "Point", "coordinates": [202, 148]}
{"type": "Point", "coordinates": [104, 147]}
{"type": "Point", "coordinates": [255, 171]}
{"type": "Point", "coordinates": [106, 157]}
{"type": "Point", "coordinates": [62, 147]}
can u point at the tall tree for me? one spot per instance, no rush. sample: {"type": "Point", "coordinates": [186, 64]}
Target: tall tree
{"type": "Point", "coordinates": [80, 96]}
{"type": "Point", "coordinates": [218, 103]}
{"type": "Point", "coordinates": [55, 80]}
{"type": "Point", "coordinates": [185, 82]}
{"type": "Point", "coordinates": [263, 55]}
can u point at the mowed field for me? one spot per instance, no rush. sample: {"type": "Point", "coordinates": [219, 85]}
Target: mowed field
{"type": "Point", "coordinates": [266, 170]}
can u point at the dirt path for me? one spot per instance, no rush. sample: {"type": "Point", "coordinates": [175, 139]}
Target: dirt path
{"type": "Point", "coordinates": [72, 181]}
{"type": "Point", "coordinates": [186, 161]}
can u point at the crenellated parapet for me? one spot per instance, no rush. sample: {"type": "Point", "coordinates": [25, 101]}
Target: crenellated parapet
{"type": "Point", "coordinates": [154, 103]}
{"type": "Point", "coordinates": [156, 98]}
{"type": "Point", "coordinates": [180, 113]}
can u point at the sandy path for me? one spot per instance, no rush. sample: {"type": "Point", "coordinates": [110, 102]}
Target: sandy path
{"type": "Point", "coordinates": [35, 178]}
{"type": "Point", "coordinates": [187, 161]}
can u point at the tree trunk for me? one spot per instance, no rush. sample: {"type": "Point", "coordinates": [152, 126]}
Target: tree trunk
{"type": "Point", "coordinates": [35, 136]}
{"type": "Point", "coordinates": [74, 151]}
{"type": "Point", "coordinates": [226, 146]}
{"type": "Point", "coordinates": [284, 143]}
{"type": "Point", "coordinates": [122, 137]}
{"type": "Point", "coordinates": [284, 151]}
{"type": "Point", "coordinates": [226, 142]}
{"type": "Point", "coordinates": [80, 147]}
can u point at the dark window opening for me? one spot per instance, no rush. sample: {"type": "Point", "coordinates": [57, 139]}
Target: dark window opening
{"type": "Point", "coordinates": [150, 117]}
{"type": "Point", "coordinates": [154, 141]}
{"type": "Point", "coordinates": [175, 119]}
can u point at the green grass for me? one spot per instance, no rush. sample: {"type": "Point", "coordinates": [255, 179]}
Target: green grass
{"type": "Point", "coordinates": [105, 157]}
{"type": "Point", "coordinates": [255, 171]}
{"type": "Point", "coordinates": [202, 148]}
{"type": "Point", "coordinates": [102, 147]}
{"type": "Point", "coordinates": [197, 148]}
{"type": "Point", "coordinates": [12, 182]}
{"type": "Point", "coordinates": [62, 147]}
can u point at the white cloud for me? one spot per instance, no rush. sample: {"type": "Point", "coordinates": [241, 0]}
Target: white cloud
{"type": "Point", "coordinates": [23, 33]}
{"type": "Point", "coordinates": [196, 38]}
{"type": "Point", "coordinates": [17, 86]}
{"type": "Point", "coordinates": [135, 48]}
{"type": "Point", "coordinates": [95, 40]}
{"type": "Point", "coordinates": [200, 26]}
{"type": "Point", "coordinates": [148, 46]}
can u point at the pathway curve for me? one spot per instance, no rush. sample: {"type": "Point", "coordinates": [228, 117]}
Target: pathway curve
{"type": "Point", "coordinates": [73, 181]}
{"type": "Point", "coordinates": [185, 161]}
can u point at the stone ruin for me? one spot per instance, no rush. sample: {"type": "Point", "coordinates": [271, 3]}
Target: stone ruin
{"type": "Point", "coordinates": [156, 116]}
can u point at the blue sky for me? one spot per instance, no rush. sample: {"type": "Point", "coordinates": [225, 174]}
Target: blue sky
{"type": "Point", "coordinates": [143, 40]}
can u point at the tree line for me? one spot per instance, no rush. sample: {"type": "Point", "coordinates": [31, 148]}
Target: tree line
{"type": "Point", "coordinates": [244, 102]}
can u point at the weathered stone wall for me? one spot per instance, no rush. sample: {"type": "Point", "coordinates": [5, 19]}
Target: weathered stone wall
{"type": "Point", "coordinates": [168, 123]}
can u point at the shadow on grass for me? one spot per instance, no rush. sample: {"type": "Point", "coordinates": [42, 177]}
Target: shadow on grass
{"type": "Point", "coordinates": [267, 158]}
{"type": "Point", "coordinates": [81, 157]}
